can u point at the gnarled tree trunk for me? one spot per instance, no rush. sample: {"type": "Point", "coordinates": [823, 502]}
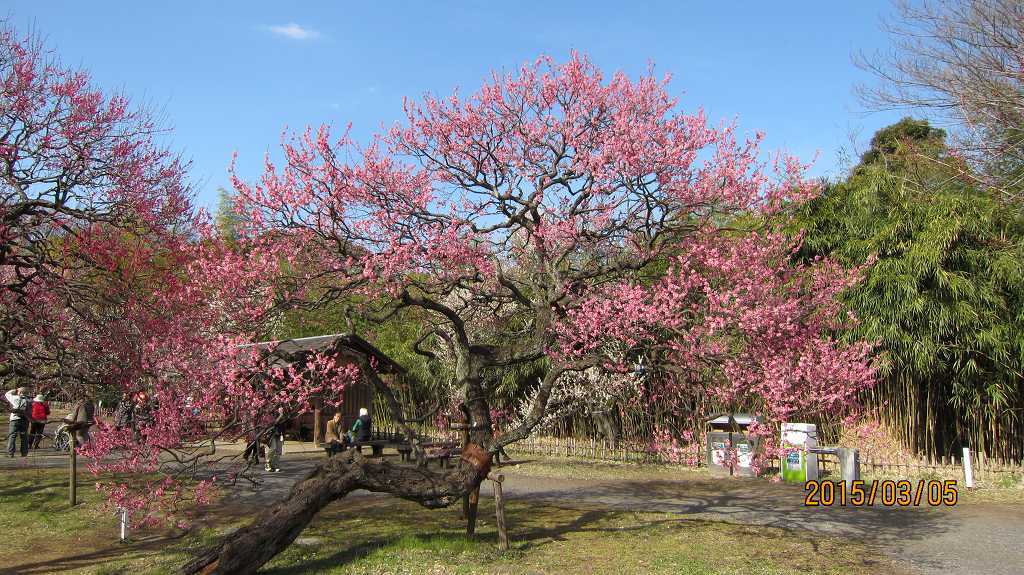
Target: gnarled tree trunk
{"type": "Point", "coordinates": [273, 530]}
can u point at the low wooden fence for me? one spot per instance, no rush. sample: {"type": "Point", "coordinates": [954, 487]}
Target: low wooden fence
{"type": "Point", "coordinates": [583, 448]}
{"type": "Point", "coordinates": [985, 469]}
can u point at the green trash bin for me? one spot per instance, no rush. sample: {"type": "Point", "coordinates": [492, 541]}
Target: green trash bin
{"type": "Point", "coordinates": [798, 465]}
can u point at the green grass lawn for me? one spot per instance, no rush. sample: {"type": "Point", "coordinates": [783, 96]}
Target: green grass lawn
{"type": "Point", "coordinates": [383, 535]}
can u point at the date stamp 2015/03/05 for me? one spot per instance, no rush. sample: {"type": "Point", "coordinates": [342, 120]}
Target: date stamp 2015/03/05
{"type": "Point", "coordinates": [888, 492]}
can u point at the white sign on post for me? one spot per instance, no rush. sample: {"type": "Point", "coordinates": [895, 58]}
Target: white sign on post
{"type": "Point", "coordinates": [968, 470]}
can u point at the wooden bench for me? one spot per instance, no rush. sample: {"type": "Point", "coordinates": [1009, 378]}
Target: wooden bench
{"type": "Point", "coordinates": [376, 445]}
{"type": "Point", "coordinates": [440, 451]}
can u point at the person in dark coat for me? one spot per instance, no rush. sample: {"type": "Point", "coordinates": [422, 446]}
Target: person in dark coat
{"type": "Point", "coordinates": [252, 439]}
{"type": "Point", "coordinates": [82, 416]}
{"type": "Point", "coordinates": [273, 441]}
{"type": "Point", "coordinates": [362, 429]}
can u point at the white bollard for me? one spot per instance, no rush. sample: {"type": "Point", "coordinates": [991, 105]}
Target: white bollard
{"type": "Point", "coordinates": [968, 471]}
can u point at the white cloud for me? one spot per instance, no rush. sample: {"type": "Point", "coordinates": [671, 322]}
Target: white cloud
{"type": "Point", "coordinates": [293, 31]}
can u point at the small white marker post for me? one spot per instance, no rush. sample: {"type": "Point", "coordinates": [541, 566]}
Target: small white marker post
{"type": "Point", "coordinates": [124, 525]}
{"type": "Point", "coordinates": [968, 471]}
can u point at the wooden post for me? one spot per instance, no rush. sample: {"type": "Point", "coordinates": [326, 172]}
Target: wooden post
{"type": "Point", "coordinates": [316, 421]}
{"type": "Point", "coordinates": [499, 511]}
{"type": "Point", "coordinates": [72, 473]}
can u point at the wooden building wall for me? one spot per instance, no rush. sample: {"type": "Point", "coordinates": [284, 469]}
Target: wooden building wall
{"type": "Point", "coordinates": [353, 398]}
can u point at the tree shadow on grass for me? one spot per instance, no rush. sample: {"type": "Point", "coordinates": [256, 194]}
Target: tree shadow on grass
{"type": "Point", "coordinates": [523, 539]}
{"type": "Point", "coordinates": [33, 489]}
{"type": "Point", "coordinates": [339, 558]}
{"type": "Point", "coordinates": [134, 549]}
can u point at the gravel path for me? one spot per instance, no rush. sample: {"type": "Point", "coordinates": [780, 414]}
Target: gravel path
{"type": "Point", "coordinates": [969, 539]}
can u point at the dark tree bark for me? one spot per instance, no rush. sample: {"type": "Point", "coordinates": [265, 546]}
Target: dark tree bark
{"type": "Point", "coordinates": [273, 530]}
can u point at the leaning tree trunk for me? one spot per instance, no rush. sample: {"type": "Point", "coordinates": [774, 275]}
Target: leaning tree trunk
{"type": "Point", "coordinates": [273, 530]}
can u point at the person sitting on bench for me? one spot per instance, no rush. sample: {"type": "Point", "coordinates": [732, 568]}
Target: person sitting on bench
{"type": "Point", "coordinates": [362, 429]}
{"type": "Point", "coordinates": [333, 436]}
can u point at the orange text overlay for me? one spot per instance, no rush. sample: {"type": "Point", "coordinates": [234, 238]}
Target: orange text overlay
{"type": "Point", "coordinates": [901, 493]}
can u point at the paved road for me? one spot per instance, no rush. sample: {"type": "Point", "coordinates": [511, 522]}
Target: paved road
{"type": "Point", "coordinates": [965, 540]}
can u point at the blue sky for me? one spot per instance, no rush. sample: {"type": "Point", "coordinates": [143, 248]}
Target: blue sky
{"type": "Point", "coordinates": [230, 76]}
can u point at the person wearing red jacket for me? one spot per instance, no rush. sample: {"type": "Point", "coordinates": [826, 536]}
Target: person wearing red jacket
{"type": "Point", "coordinates": [40, 412]}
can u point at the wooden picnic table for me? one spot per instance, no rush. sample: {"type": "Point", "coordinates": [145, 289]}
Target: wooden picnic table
{"type": "Point", "coordinates": [440, 451]}
{"type": "Point", "coordinates": [435, 450]}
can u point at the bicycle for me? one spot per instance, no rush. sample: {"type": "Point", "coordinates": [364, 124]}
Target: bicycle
{"type": "Point", "coordinates": [61, 438]}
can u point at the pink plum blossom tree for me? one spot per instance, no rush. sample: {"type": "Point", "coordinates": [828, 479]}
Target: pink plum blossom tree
{"type": "Point", "coordinates": [111, 283]}
{"type": "Point", "coordinates": [79, 174]}
{"type": "Point", "coordinates": [554, 213]}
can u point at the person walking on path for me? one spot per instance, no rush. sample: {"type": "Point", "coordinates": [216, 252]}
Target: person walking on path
{"type": "Point", "coordinates": [133, 412]}
{"type": "Point", "coordinates": [274, 442]}
{"type": "Point", "coordinates": [40, 412]}
{"type": "Point", "coordinates": [252, 441]}
{"type": "Point", "coordinates": [21, 411]}
{"type": "Point", "coordinates": [124, 414]}
{"type": "Point", "coordinates": [83, 416]}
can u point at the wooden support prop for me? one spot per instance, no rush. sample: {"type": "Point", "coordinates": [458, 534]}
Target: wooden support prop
{"type": "Point", "coordinates": [472, 454]}
{"type": "Point", "coordinates": [499, 510]}
{"type": "Point", "coordinates": [72, 473]}
{"type": "Point", "coordinates": [472, 500]}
